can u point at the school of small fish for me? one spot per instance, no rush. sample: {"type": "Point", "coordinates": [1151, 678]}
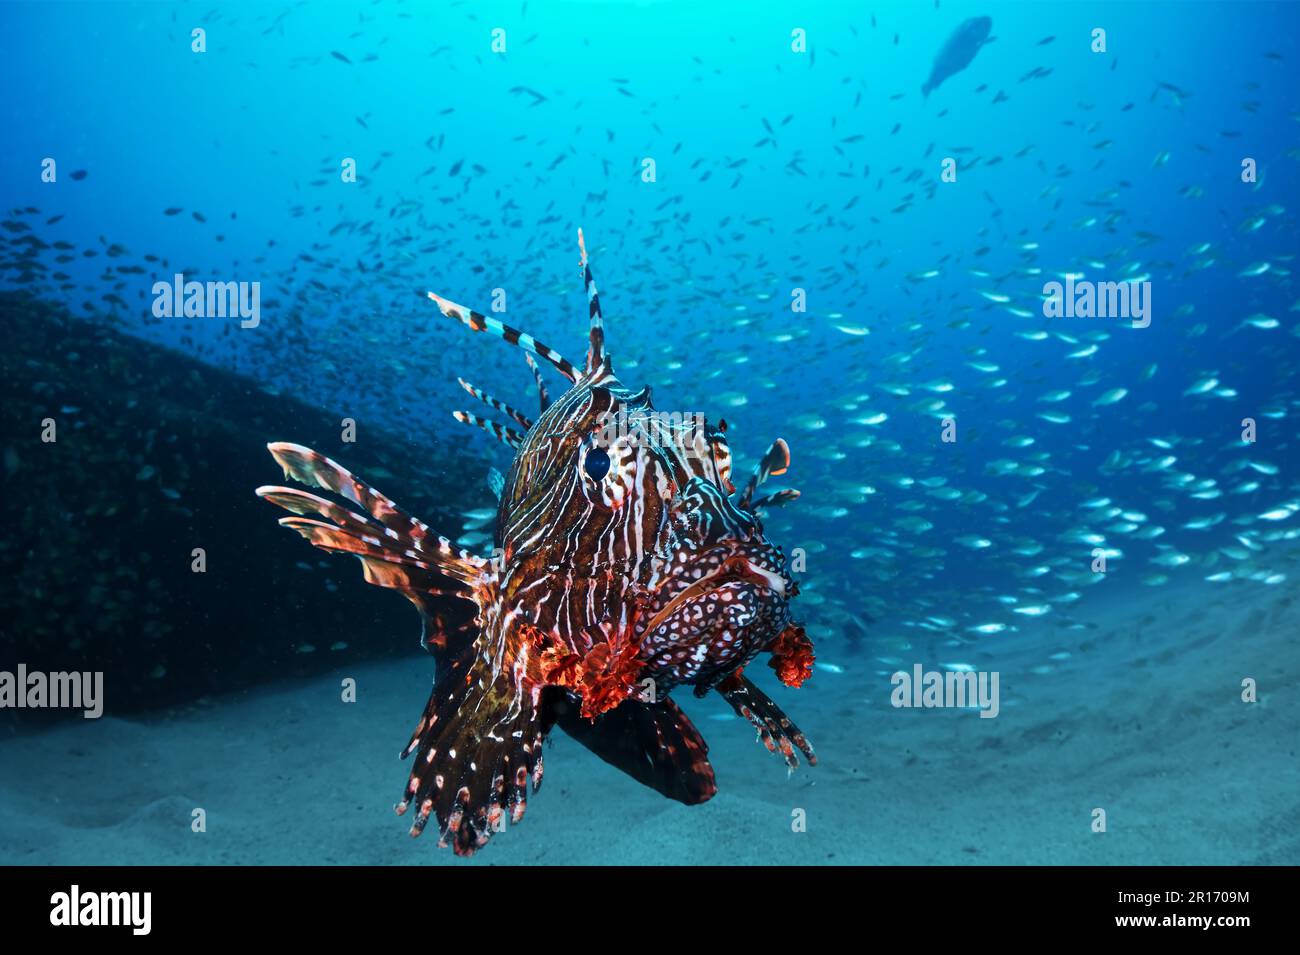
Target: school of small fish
{"type": "Point", "coordinates": [1072, 439]}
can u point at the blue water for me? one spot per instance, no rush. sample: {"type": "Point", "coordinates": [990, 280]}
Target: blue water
{"type": "Point", "coordinates": [775, 171]}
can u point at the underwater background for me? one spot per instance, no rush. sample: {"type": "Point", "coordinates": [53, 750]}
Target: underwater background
{"type": "Point", "coordinates": [788, 234]}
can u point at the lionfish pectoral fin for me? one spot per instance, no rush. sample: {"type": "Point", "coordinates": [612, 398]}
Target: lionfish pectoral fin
{"type": "Point", "coordinates": [776, 731]}
{"type": "Point", "coordinates": [477, 748]}
{"type": "Point", "coordinates": [396, 551]}
{"type": "Point", "coordinates": [654, 743]}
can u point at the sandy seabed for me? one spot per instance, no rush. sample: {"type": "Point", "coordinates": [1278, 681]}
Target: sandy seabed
{"type": "Point", "coordinates": [1143, 719]}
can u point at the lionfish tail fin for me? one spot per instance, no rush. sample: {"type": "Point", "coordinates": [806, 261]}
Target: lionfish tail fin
{"type": "Point", "coordinates": [477, 748]}
{"type": "Point", "coordinates": [396, 550]}
{"type": "Point", "coordinates": [481, 323]}
{"type": "Point", "coordinates": [775, 729]}
{"type": "Point", "coordinates": [598, 363]}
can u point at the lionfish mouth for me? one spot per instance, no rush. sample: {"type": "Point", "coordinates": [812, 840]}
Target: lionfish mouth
{"type": "Point", "coordinates": [733, 569]}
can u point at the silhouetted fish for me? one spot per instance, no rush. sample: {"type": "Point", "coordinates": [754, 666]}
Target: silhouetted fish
{"type": "Point", "coordinates": [958, 52]}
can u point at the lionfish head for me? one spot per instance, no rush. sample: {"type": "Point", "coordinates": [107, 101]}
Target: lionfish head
{"type": "Point", "coordinates": [620, 519]}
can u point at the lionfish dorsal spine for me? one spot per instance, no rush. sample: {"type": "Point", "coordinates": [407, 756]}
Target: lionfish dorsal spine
{"type": "Point", "coordinates": [517, 416]}
{"type": "Point", "coordinates": [507, 436]}
{"type": "Point", "coordinates": [543, 397]}
{"type": "Point", "coordinates": [598, 363]}
{"type": "Point", "coordinates": [482, 323]}
{"type": "Point", "coordinates": [775, 461]}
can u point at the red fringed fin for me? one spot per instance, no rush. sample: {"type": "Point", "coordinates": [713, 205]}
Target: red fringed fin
{"type": "Point", "coordinates": [604, 676]}
{"type": "Point", "coordinates": [792, 656]}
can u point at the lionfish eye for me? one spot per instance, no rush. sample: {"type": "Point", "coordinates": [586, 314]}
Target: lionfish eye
{"type": "Point", "coordinates": [596, 464]}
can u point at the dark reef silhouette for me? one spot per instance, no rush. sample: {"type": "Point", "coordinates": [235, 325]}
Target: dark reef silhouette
{"type": "Point", "coordinates": [153, 456]}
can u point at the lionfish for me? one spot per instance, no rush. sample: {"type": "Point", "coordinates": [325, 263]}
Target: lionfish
{"type": "Point", "coordinates": [625, 565]}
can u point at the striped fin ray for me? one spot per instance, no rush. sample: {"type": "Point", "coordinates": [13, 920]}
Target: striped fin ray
{"type": "Point", "coordinates": [501, 406]}
{"type": "Point", "coordinates": [372, 544]}
{"type": "Point", "coordinates": [396, 551]}
{"type": "Point", "coordinates": [389, 535]}
{"type": "Point", "coordinates": [304, 503]}
{"type": "Point", "coordinates": [596, 354]}
{"type": "Point", "coordinates": [543, 396]}
{"type": "Point", "coordinates": [315, 470]}
{"type": "Point", "coordinates": [481, 323]}
{"type": "Point", "coordinates": [351, 533]}
{"type": "Point", "coordinates": [408, 575]}
{"type": "Point", "coordinates": [775, 461]}
{"type": "Point", "coordinates": [507, 436]}
{"type": "Point", "coordinates": [779, 499]}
